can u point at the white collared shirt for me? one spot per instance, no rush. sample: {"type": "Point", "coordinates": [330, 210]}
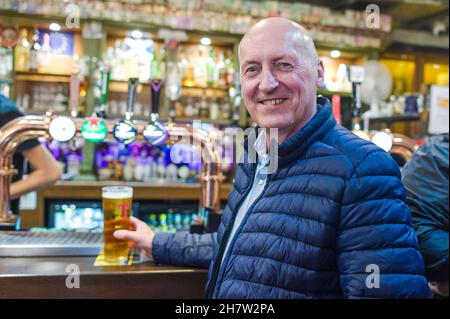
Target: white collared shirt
{"type": "Point", "coordinates": [259, 183]}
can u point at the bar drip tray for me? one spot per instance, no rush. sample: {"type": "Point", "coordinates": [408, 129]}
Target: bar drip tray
{"type": "Point", "coordinates": [58, 243]}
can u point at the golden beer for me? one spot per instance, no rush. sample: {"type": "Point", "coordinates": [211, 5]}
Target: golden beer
{"type": "Point", "coordinates": [117, 202]}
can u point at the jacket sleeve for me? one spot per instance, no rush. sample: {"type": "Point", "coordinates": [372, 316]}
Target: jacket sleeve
{"type": "Point", "coordinates": [184, 249]}
{"type": "Point", "coordinates": [426, 182]}
{"type": "Point", "coordinates": [378, 249]}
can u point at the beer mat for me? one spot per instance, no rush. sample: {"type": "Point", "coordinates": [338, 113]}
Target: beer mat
{"type": "Point", "coordinates": [100, 261]}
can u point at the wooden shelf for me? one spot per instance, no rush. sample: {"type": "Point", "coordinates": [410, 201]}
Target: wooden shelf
{"type": "Point", "coordinates": [340, 93]}
{"type": "Point", "coordinates": [396, 118]}
{"type": "Point", "coordinates": [226, 38]}
{"type": "Point", "coordinates": [204, 120]}
{"type": "Point", "coordinates": [207, 88]}
{"type": "Point", "coordinates": [41, 77]}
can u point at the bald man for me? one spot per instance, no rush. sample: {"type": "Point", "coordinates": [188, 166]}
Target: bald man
{"type": "Point", "coordinates": [329, 222]}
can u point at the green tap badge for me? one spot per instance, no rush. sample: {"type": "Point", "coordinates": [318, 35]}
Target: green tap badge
{"type": "Point", "coordinates": [94, 129]}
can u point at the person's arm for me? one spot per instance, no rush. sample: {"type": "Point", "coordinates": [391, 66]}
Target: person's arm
{"type": "Point", "coordinates": [46, 171]}
{"type": "Point", "coordinates": [179, 249]}
{"type": "Point", "coordinates": [378, 249]}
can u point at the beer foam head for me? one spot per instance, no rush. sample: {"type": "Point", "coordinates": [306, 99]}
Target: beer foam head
{"type": "Point", "coordinates": [117, 192]}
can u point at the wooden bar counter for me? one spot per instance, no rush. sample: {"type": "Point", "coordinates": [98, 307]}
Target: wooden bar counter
{"type": "Point", "coordinates": [45, 277]}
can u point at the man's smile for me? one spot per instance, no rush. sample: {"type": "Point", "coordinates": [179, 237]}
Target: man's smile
{"type": "Point", "coordinates": [272, 101]}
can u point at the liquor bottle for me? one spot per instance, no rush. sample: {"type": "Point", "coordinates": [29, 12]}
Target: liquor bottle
{"type": "Point", "coordinates": [200, 73]}
{"type": "Point", "coordinates": [139, 169]}
{"type": "Point", "coordinates": [128, 171]}
{"type": "Point", "coordinates": [182, 62]}
{"type": "Point", "coordinates": [226, 109]}
{"type": "Point", "coordinates": [155, 68]}
{"type": "Point", "coordinates": [22, 51]}
{"type": "Point", "coordinates": [44, 53]}
{"type": "Point", "coordinates": [188, 76]}
{"type": "Point", "coordinates": [117, 63]}
{"type": "Point", "coordinates": [215, 110]}
{"type": "Point", "coordinates": [189, 110]}
{"type": "Point", "coordinates": [221, 71]}
{"type": "Point", "coordinates": [229, 62]}
{"type": "Point", "coordinates": [211, 69]}
{"type": "Point", "coordinates": [161, 168]}
{"type": "Point", "coordinates": [204, 112]}
{"type": "Point", "coordinates": [34, 51]}
{"type": "Point", "coordinates": [118, 170]}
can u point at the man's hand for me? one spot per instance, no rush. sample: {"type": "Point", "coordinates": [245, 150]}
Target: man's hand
{"type": "Point", "coordinates": [141, 238]}
{"type": "Point", "coordinates": [439, 288]}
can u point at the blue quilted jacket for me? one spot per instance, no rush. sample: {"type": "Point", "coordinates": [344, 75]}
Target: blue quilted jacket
{"type": "Point", "coordinates": [329, 220]}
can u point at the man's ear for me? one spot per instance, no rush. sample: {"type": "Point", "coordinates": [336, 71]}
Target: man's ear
{"type": "Point", "coordinates": [320, 75]}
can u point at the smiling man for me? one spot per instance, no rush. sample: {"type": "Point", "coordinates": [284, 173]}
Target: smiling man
{"type": "Point", "coordinates": [331, 222]}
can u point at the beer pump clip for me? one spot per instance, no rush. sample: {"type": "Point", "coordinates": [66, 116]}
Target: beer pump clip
{"type": "Point", "coordinates": [125, 131]}
{"type": "Point", "coordinates": [155, 132]}
{"type": "Point", "coordinates": [62, 128]}
{"type": "Point", "coordinates": [94, 129]}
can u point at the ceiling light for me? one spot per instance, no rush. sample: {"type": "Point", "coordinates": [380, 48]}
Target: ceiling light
{"type": "Point", "coordinates": [54, 27]}
{"type": "Point", "coordinates": [205, 41]}
{"type": "Point", "coordinates": [335, 54]}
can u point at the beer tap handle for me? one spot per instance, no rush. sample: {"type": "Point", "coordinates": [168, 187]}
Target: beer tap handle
{"type": "Point", "coordinates": [132, 86]}
{"type": "Point", "coordinates": [356, 76]}
{"type": "Point", "coordinates": [74, 97]}
{"type": "Point", "coordinates": [356, 125]}
{"type": "Point", "coordinates": [105, 76]}
{"type": "Point", "coordinates": [155, 86]}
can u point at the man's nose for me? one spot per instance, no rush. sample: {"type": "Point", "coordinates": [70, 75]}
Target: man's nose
{"type": "Point", "coordinates": [268, 82]}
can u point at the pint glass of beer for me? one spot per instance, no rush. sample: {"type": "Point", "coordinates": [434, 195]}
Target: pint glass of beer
{"type": "Point", "coordinates": [116, 215]}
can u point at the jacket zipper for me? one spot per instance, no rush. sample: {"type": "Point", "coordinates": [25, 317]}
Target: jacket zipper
{"type": "Point", "coordinates": [217, 265]}
{"type": "Point", "coordinates": [212, 282]}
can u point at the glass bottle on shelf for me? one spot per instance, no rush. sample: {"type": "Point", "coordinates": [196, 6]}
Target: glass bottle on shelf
{"type": "Point", "coordinates": [117, 63]}
{"type": "Point", "coordinates": [229, 62]}
{"type": "Point", "coordinates": [155, 68]}
{"type": "Point", "coordinates": [44, 53]}
{"type": "Point", "coordinates": [22, 52]}
{"type": "Point", "coordinates": [34, 52]}
{"type": "Point", "coordinates": [211, 69]}
{"type": "Point", "coordinates": [189, 109]}
{"type": "Point", "coordinates": [5, 70]}
{"type": "Point", "coordinates": [188, 76]}
{"type": "Point", "coordinates": [173, 82]}
{"type": "Point", "coordinates": [200, 73]}
{"type": "Point", "coordinates": [204, 111]}
{"type": "Point", "coordinates": [215, 110]}
{"type": "Point", "coordinates": [221, 71]}
{"type": "Point", "coordinates": [226, 109]}
{"type": "Point", "coordinates": [182, 62]}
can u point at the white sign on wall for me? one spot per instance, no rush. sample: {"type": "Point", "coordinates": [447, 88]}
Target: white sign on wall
{"type": "Point", "coordinates": [439, 103]}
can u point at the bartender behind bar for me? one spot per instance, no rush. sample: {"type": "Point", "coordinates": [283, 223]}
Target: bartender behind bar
{"type": "Point", "coordinates": [46, 169]}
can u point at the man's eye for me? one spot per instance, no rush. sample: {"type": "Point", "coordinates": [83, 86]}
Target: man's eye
{"type": "Point", "coordinates": [250, 70]}
{"type": "Point", "coordinates": [284, 66]}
